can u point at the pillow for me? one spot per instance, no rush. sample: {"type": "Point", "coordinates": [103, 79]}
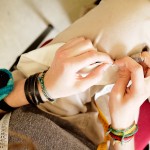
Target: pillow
{"type": "Point", "coordinates": [117, 27]}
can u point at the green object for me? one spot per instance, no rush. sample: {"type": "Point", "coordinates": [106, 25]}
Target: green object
{"type": "Point", "coordinates": [44, 90]}
{"type": "Point", "coordinates": [121, 133]}
{"type": "Point", "coordinates": [6, 83]}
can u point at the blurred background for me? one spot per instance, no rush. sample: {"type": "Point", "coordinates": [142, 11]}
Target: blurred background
{"type": "Point", "coordinates": [23, 21]}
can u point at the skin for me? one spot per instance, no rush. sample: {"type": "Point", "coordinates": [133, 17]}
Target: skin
{"type": "Point", "coordinates": [125, 101]}
{"type": "Point", "coordinates": [76, 55]}
{"type": "Point", "coordinates": [68, 61]}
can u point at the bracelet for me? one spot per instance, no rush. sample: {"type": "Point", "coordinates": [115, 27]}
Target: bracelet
{"type": "Point", "coordinates": [124, 135]}
{"type": "Point", "coordinates": [133, 128]}
{"type": "Point", "coordinates": [26, 91]}
{"type": "Point", "coordinates": [44, 90]}
{"type": "Point", "coordinates": [31, 90]}
{"type": "Point", "coordinates": [36, 91]}
{"type": "Point", "coordinates": [119, 138]}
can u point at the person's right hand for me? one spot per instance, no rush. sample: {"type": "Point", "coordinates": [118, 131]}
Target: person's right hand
{"type": "Point", "coordinates": [63, 78]}
{"type": "Point", "coordinates": [125, 101]}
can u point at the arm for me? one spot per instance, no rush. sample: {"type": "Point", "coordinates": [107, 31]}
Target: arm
{"type": "Point", "coordinates": [68, 61]}
{"type": "Point", "coordinates": [17, 97]}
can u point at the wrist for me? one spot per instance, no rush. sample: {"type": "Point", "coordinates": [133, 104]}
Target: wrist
{"type": "Point", "coordinates": [118, 124]}
{"type": "Point", "coordinates": [49, 86]}
{"type": "Point", "coordinates": [121, 119]}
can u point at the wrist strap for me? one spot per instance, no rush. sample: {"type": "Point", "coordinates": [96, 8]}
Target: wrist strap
{"type": "Point", "coordinates": [5, 107]}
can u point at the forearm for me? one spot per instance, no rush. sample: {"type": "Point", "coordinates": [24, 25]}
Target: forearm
{"type": "Point", "coordinates": [17, 97]}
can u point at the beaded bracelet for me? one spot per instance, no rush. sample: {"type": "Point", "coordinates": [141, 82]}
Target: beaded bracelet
{"type": "Point", "coordinates": [36, 91]}
{"type": "Point", "coordinates": [44, 90]}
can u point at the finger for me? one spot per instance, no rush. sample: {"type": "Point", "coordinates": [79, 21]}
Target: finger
{"type": "Point", "coordinates": [94, 77]}
{"type": "Point", "coordinates": [148, 73]}
{"type": "Point", "coordinates": [71, 43]}
{"type": "Point", "coordinates": [146, 62]}
{"type": "Point", "coordinates": [146, 56]}
{"type": "Point", "coordinates": [79, 48]}
{"type": "Point", "coordinates": [89, 58]}
{"type": "Point", "coordinates": [145, 67]}
{"type": "Point", "coordinates": [136, 70]}
{"type": "Point", "coordinates": [120, 86]}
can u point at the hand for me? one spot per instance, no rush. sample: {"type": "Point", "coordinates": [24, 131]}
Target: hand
{"type": "Point", "coordinates": [63, 78]}
{"type": "Point", "coordinates": [125, 101]}
{"type": "Point", "coordinates": [146, 63]}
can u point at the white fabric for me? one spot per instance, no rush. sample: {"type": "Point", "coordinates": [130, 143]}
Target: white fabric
{"type": "Point", "coordinates": [4, 127]}
{"type": "Point", "coordinates": [38, 60]}
{"type": "Point", "coordinates": [118, 27]}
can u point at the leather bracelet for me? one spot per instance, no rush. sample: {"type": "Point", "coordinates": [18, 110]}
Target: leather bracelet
{"type": "Point", "coordinates": [33, 83]}
{"type": "Point", "coordinates": [31, 89]}
{"type": "Point", "coordinates": [36, 91]}
{"type": "Point", "coordinates": [26, 91]}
